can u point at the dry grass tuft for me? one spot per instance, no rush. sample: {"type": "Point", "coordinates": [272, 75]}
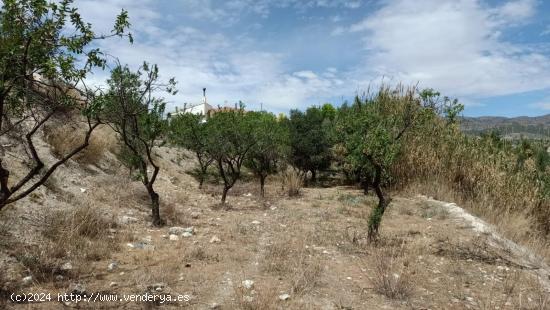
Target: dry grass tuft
{"type": "Point", "coordinates": [63, 140]}
{"type": "Point", "coordinates": [77, 236]}
{"type": "Point", "coordinates": [391, 276]}
{"type": "Point", "coordinates": [307, 274]}
{"type": "Point", "coordinates": [261, 298]}
{"type": "Point", "coordinates": [293, 182]}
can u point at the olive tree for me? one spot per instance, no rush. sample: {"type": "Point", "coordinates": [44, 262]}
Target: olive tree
{"type": "Point", "coordinates": [43, 68]}
{"type": "Point", "coordinates": [190, 131]}
{"type": "Point", "coordinates": [370, 138]}
{"type": "Point", "coordinates": [270, 148]}
{"type": "Point", "coordinates": [133, 111]}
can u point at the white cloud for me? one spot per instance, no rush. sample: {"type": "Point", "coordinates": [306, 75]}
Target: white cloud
{"type": "Point", "coordinates": [543, 104]}
{"type": "Point", "coordinates": [455, 46]}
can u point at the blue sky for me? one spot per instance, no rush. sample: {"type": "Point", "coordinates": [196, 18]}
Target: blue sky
{"type": "Point", "coordinates": [492, 55]}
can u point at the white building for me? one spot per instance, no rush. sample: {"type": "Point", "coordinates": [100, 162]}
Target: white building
{"type": "Point", "coordinates": [198, 108]}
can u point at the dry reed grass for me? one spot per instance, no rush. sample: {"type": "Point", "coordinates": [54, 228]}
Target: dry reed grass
{"type": "Point", "coordinates": [478, 175]}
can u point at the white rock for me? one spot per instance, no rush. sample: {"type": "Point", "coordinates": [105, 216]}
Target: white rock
{"type": "Point", "coordinates": [125, 220]}
{"type": "Point", "coordinates": [27, 280]}
{"type": "Point", "coordinates": [67, 266]}
{"type": "Point", "coordinates": [113, 284]}
{"type": "Point", "coordinates": [82, 190]}
{"type": "Point", "coordinates": [248, 284]}
{"type": "Point", "coordinates": [181, 230]}
{"type": "Point", "coordinates": [256, 222]}
{"type": "Point", "coordinates": [174, 238]}
{"type": "Point", "coordinates": [215, 306]}
{"type": "Point", "coordinates": [112, 266]}
{"type": "Point", "coordinates": [284, 296]}
{"type": "Point", "coordinates": [187, 234]}
{"type": "Point", "coordinates": [215, 239]}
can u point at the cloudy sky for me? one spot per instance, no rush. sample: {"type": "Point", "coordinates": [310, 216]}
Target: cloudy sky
{"type": "Point", "coordinates": [492, 55]}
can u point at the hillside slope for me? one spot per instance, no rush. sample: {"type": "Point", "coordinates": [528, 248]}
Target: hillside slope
{"type": "Point", "coordinates": [537, 127]}
{"type": "Point", "coordinates": [279, 253]}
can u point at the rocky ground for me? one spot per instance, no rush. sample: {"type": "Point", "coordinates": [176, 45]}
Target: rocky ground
{"type": "Point", "coordinates": [308, 252]}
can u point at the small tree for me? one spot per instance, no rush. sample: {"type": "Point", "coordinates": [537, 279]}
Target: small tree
{"type": "Point", "coordinates": [370, 135]}
{"type": "Point", "coordinates": [190, 131]}
{"type": "Point", "coordinates": [230, 138]}
{"type": "Point", "coordinates": [42, 71]}
{"type": "Point", "coordinates": [271, 146]}
{"type": "Point", "coordinates": [137, 116]}
{"type": "Point", "coordinates": [310, 140]}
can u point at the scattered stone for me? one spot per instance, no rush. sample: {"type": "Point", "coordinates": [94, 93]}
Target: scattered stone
{"type": "Point", "coordinates": [181, 230]}
{"type": "Point", "coordinates": [187, 234]}
{"type": "Point", "coordinates": [256, 223]}
{"type": "Point", "coordinates": [164, 236]}
{"type": "Point", "coordinates": [273, 208]}
{"type": "Point", "coordinates": [248, 195]}
{"type": "Point", "coordinates": [215, 306]}
{"type": "Point", "coordinates": [82, 190]}
{"type": "Point", "coordinates": [284, 297]}
{"type": "Point", "coordinates": [157, 287]}
{"type": "Point", "coordinates": [112, 266]}
{"type": "Point", "coordinates": [125, 220]}
{"type": "Point", "coordinates": [248, 284]}
{"type": "Point", "coordinates": [215, 239]}
{"type": "Point", "coordinates": [112, 231]}
{"type": "Point", "coordinates": [66, 267]}
{"type": "Point", "coordinates": [77, 289]}
{"type": "Point", "coordinates": [141, 245]}
{"type": "Point", "coordinates": [113, 284]}
{"type": "Point", "coordinates": [27, 280]}
{"type": "Point", "coordinates": [174, 238]}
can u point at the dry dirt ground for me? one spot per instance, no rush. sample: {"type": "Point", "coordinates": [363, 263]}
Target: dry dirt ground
{"type": "Point", "coordinates": [308, 252]}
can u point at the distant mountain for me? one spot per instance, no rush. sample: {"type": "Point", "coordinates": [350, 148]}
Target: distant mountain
{"type": "Point", "coordinates": [537, 127]}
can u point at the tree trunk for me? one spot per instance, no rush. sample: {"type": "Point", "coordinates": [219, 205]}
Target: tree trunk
{"type": "Point", "coordinates": [201, 181]}
{"type": "Point", "coordinates": [262, 184]}
{"type": "Point", "coordinates": [224, 194]}
{"type": "Point", "coordinates": [313, 176]}
{"type": "Point", "coordinates": [4, 189]}
{"type": "Point", "coordinates": [376, 216]}
{"type": "Point", "coordinates": [155, 207]}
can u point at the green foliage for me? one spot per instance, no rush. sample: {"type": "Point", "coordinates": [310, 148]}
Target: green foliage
{"type": "Point", "coordinates": [133, 111]}
{"type": "Point", "coordinates": [230, 139]}
{"type": "Point", "coordinates": [370, 137]}
{"type": "Point", "coordinates": [271, 145]}
{"type": "Point", "coordinates": [190, 131]}
{"type": "Point", "coordinates": [310, 139]}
